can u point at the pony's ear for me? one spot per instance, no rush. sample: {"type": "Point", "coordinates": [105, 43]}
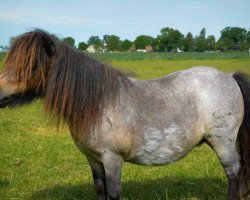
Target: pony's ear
{"type": "Point", "coordinates": [49, 45]}
{"type": "Point", "coordinates": [30, 50]}
{"type": "Point", "coordinates": [31, 54]}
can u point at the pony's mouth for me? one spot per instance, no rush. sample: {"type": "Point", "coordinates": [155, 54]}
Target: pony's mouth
{"type": "Point", "coordinates": [19, 99]}
{"type": "Point", "coordinates": [4, 102]}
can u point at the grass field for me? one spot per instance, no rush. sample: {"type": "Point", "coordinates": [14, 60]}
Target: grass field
{"type": "Point", "coordinates": [163, 56]}
{"type": "Point", "coordinates": [39, 162]}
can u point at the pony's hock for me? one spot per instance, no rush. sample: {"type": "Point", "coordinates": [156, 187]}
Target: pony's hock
{"type": "Point", "coordinates": [114, 118]}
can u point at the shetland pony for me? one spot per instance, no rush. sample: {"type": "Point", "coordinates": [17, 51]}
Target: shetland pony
{"type": "Point", "coordinates": [114, 118]}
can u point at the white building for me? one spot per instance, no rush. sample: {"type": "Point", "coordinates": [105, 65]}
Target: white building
{"type": "Point", "coordinates": [91, 49]}
{"type": "Point", "coordinates": [179, 50]}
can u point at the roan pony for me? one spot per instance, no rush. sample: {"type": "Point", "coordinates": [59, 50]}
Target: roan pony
{"type": "Point", "coordinates": [114, 118]}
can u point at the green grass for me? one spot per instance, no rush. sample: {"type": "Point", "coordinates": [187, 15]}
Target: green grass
{"type": "Point", "coordinates": [162, 55]}
{"type": "Point", "coordinates": [38, 162]}
{"type": "Point", "coordinates": [1, 58]}
{"type": "Point", "coordinates": [147, 69]}
{"type": "Point", "coordinates": [2, 54]}
{"type": "Point", "coordinates": [107, 57]}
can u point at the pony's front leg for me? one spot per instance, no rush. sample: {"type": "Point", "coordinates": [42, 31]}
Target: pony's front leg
{"type": "Point", "coordinates": [113, 166]}
{"type": "Point", "coordinates": [99, 177]}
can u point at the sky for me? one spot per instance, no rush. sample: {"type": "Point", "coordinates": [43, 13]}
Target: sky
{"type": "Point", "coordinates": [127, 19]}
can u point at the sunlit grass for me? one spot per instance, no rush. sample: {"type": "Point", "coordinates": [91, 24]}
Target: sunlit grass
{"type": "Point", "coordinates": [147, 69]}
{"type": "Point", "coordinates": [168, 55]}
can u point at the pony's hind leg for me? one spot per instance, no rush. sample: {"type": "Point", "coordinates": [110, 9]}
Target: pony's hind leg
{"type": "Point", "coordinates": [99, 177]}
{"type": "Point", "coordinates": [225, 148]}
{"type": "Point", "coordinates": [243, 185]}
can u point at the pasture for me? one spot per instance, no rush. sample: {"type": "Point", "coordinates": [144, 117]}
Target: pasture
{"type": "Point", "coordinates": [172, 55]}
{"type": "Point", "coordinates": [37, 161]}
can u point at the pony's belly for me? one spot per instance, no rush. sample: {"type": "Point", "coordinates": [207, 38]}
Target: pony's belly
{"type": "Point", "coordinates": [162, 156]}
{"type": "Point", "coordinates": [159, 147]}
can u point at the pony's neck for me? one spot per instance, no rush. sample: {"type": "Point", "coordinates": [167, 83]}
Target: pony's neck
{"type": "Point", "coordinates": [79, 87]}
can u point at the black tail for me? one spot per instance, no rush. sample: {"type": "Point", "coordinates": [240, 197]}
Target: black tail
{"type": "Point", "coordinates": [244, 131]}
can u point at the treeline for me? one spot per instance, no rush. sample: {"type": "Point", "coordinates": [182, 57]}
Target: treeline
{"type": "Point", "coordinates": [169, 40]}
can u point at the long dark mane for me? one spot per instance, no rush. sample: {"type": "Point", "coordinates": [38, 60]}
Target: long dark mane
{"type": "Point", "coordinates": [76, 87]}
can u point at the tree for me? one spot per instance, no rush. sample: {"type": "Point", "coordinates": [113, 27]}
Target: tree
{"type": "Point", "coordinates": [1, 48]}
{"type": "Point", "coordinates": [171, 39]}
{"type": "Point", "coordinates": [200, 41]}
{"type": "Point", "coordinates": [210, 43]}
{"type": "Point", "coordinates": [104, 40]}
{"type": "Point", "coordinates": [225, 44]}
{"type": "Point", "coordinates": [188, 42]}
{"type": "Point", "coordinates": [113, 43]}
{"type": "Point", "coordinates": [96, 41]}
{"type": "Point", "coordinates": [143, 40]}
{"type": "Point", "coordinates": [82, 46]}
{"type": "Point", "coordinates": [232, 38]}
{"type": "Point", "coordinates": [69, 41]}
{"type": "Point", "coordinates": [246, 44]}
{"type": "Point", "coordinates": [126, 45]}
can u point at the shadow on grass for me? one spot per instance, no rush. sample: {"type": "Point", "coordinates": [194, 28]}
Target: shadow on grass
{"type": "Point", "coordinates": [4, 183]}
{"type": "Point", "coordinates": [164, 188]}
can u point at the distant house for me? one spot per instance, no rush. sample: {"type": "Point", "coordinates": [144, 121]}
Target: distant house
{"type": "Point", "coordinates": [149, 48]}
{"type": "Point", "coordinates": [141, 50]}
{"type": "Point", "coordinates": [91, 49]}
{"type": "Point", "coordinates": [179, 50]}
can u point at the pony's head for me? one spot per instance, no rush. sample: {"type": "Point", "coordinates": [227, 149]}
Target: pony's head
{"type": "Point", "coordinates": [76, 88]}
{"type": "Point", "coordinates": [25, 67]}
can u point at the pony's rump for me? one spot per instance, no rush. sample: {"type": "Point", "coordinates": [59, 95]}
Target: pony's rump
{"type": "Point", "coordinates": [244, 131]}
